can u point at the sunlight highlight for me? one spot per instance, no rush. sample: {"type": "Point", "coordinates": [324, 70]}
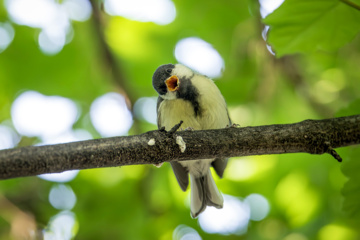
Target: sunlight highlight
{"type": "Point", "coordinates": [250, 167]}
{"type": "Point", "coordinates": [297, 198]}
{"type": "Point", "coordinates": [233, 218]}
{"type": "Point", "coordinates": [158, 11]}
{"type": "Point", "coordinates": [110, 115]}
{"type": "Point", "coordinates": [328, 88]}
{"type": "Point", "coordinates": [78, 10]}
{"type": "Point", "coordinates": [51, 42]}
{"type": "Point", "coordinates": [259, 206]}
{"type": "Point", "coordinates": [183, 232]}
{"type": "Point", "coordinates": [6, 35]}
{"type": "Point", "coordinates": [62, 197]}
{"type": "Point", "coordinates": [268, 6]}
{"type": "Point", "coordinates": [52, 17]}
{"type": "Point", "coordinates": [68, 136]}
{"type": "Point", "coordinates": [200, 56]}
{"type": "Point", "coordinates": [145, 109]}
{"type": "Point", "coordinates": [37, 115]}
{"type": "Point", "coordinates": [61, 226]}
{"type": "Point", "coordinates": [8, 137]}
{"type": "Point", "coordinates": [335, 232]}
{"type": "Point", "coordinates": [62, 177]}
{"type": "Point", "coordinates": [241, 169]}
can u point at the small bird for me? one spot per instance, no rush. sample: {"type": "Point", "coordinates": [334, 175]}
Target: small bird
{"type": "Point", "coordinates": [187, 96]}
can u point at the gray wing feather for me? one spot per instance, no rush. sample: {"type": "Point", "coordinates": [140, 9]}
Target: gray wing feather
{"type": "Point", "coordinates": [181, 174]}
{"type": "Point", "coordinates": [219, 165]}
{"type": "Point", "coordinates": [157, 111]}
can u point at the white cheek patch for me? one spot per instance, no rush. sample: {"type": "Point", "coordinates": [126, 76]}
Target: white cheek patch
{"type": "Point", "coordinates": [181, 70]}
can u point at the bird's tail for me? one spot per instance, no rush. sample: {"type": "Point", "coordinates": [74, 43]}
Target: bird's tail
{"type": "Point", "coordinates": [204, 193]}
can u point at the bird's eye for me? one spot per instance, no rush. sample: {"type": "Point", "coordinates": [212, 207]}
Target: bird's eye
{"type": "Point", "coordinates": [168, 70]}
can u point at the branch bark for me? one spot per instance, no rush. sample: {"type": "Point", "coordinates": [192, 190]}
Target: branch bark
{"type": "Point", "coordinates": [154, 147]}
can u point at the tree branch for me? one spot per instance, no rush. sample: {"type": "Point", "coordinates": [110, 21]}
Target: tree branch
{"type": "Point", "coordinates": [154, 147]}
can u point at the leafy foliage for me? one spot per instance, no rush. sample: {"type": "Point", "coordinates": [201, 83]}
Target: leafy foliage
{"type": "Point", "coordinates": [144, 202]}
{"type": "Point", "coordinates": [306, 26]}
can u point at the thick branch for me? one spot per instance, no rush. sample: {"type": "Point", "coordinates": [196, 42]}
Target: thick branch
{"type": "Point", "coordinates": [310, 136]}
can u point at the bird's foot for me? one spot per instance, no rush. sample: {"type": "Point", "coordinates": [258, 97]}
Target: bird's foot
{"type": "Point", "coordinates": [234, 125]}
{"type": "Point", "coordinates": [188, 129]}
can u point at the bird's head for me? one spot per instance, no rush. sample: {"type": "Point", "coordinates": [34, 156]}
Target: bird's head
{"type": "Point", "coordinates": [167, 79]}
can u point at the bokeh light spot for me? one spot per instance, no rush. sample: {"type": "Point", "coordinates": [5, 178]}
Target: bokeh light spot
{"type": "Point", "coordinates": [6, 35]}
{"type": "Point", "coordinates": [295, 236]}
{"type": "Point", "coordinates": [34, 114]}
{"type": "Point", "coordinates": [110, 115]}
{"type": "Point", "coordinates": [200, 56]}
{"type": "Point", "coordinates": [145, 109]}
{"type": "Point", "coordinates": [66, 176]}
{"type": "Point", "coordinates": [8, 137]}
{"type": "Point", "coordinates": [183, 232]}
{"type": "Point", "coordinates": [268, 6]}
{"type": "Point", "coordinates": [335, 232]}
{"type": "Point", "coordinates": [62, 197]}
{"type": "Point", "coordinates": [233, 218]}
{"type": "Point", "coordinates": [259, 206]}
{"type": "Point", "coordinates": [297, 198]}
{"type": "Point", "coordinates": [240, 169]}
{"type": "Point", "coordinates": [32, 13]}
{"type": "Point", "coordinates": [68, 136]}
{"type": "Point", "coordinates": [52, 17]}
{"type": "Point", "coordinates": [158, 11]}
{"type": "Point", "coordinates": [51, 43]}
{"type": "Point", "coordinates": [78, 10]}
{"type": "Point", "coordinates": [61, 226]}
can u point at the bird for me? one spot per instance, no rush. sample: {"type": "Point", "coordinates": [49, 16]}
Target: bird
{"type": "Point", "coordinates": [188, 96]}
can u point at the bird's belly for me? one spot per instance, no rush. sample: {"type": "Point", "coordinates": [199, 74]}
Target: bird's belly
{"type": "Point", "coordinates": [174, 111]}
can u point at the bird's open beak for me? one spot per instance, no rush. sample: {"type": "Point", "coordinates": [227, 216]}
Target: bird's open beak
{"type": "Point", "coordinates": [172, 83]}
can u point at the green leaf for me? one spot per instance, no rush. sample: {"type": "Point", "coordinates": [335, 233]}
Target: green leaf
{"type": "Point", "coordinates": [309, 25]}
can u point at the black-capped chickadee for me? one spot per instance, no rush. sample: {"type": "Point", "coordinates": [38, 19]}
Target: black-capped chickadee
{"type": "Point", "coordinates": [196, 100]}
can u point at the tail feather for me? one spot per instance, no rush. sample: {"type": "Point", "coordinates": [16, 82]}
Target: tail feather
{"type": "Point", "coordinates": [204, 193]}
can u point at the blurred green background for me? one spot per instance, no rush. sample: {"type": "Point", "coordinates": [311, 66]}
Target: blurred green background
{"type": "Point", "coordinates": [68, 72]}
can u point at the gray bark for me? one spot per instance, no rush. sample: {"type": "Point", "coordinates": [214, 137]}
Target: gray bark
{"type": "Point", "coordinates": [309, 136]}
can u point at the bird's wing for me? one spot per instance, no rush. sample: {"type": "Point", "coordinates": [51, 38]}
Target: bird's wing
{"type": "Point", "coordinates": [181, 174]}
{"type": "Point", "coordinates": [158, 112]}
{"type": "Point", "coordinates": [219, 165]}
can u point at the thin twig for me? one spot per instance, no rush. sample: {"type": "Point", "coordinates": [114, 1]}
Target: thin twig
{"type": "Point", "coordinates": [108, 57]}
{"type": "Point", "coordinates": [351, 4]}
{"type": "Point", "coordinates": [174, 128]}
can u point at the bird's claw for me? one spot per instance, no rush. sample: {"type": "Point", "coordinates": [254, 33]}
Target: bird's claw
{"type": "Point", "coordinates": [188, 129]}
{"type": "Point", "coordinates": [234, 125]}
